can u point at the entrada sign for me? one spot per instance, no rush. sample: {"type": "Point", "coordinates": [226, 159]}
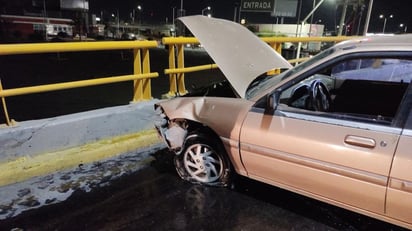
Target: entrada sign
{"type": "Point", "coordinates": [257, 5]}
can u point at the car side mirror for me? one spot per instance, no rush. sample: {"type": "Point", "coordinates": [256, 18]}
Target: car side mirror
{"type": "Point", "coordinates": [272, 101]}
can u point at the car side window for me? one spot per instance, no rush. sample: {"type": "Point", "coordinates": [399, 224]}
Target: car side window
{"type": "Point", "coordinates": [362, 89]}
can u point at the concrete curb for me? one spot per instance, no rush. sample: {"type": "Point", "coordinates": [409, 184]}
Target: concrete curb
{"type": "Point", "coordinates": [26, 167]}
{"type": "Point", "coordinates": [39, 147]}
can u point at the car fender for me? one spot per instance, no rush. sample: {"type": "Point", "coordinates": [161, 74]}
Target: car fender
{"type": "Point", "coordinates": [224, 116]}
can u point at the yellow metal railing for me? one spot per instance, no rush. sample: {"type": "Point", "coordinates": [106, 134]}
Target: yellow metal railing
{"type": "Point", "coordinates": [141, 64]}
{"type": "Point", "coordinates": [176, 50]}
{"type": "Point", "coordinates": [177, 73]}
{"type": "Point", "coordinates": [141, 67]}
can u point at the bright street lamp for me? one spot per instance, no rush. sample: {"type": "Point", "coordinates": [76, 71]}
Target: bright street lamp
{"type": "Point", "coordinates": [403, 27]}
{"type": "Point", "coordinates": [206, 8]}
{"type": "Point", "coordinates": [384, 21]}
{"type": "Point", "coordinates": [138, 14]}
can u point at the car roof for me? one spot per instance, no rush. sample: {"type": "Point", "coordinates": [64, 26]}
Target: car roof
{"type": "Point", "coordinates": [404, 40]}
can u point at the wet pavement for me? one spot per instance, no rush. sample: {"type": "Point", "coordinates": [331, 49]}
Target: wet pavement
{"type": "Point", "coordinates": [58, 186]}
{"type": "Point", "coordinates": [155, 198]}
{"type": "Point", "coordinates": [139, 191]}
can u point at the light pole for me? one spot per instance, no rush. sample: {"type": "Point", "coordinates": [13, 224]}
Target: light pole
{"type": "Point", "coordinates": [368, 17]}
{"type": "Point", "coordinates": [403, 27]}
{"type": "Point", "coordinates": [138, 16]}
{"type": "Point", "coordinates": [303, 24]}
{"type": "Point", "coordinates": [117, 21]}
{"type": "Point", "coordinates": [384, 21]}
{"type": "Point", "coordinates": [342, 18]}
{"type": "Point", "coordinates": [181, 13]}
{"type": "Point", "coordinates": [311, 19]}
{"type": "Point", "coordinates": [46, 20]}
{"type": "Point", "coordinates": [206, 8]}
{"type": "Point", "coordinates": [173, 16]}
{"type": "Point", "coordinates": [180, 28]}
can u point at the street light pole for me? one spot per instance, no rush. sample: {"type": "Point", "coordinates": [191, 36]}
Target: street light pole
{"type": "Point", "coordinates": [204, 9]}
{"type": "Point", "coordinates": [384, 21]}
{"type": "Point", "coordinates": [311, 19]}
{"type": "Point", "coordinates": [368, 17]}
{"type": "Point", "coordinates": [173, 16]}
{"type": "Point", "coordinates": [118, 24]}
{"type": "Point", "coordinates": [303, 23]}
{"type": "Point", "coordinates": [180, 30]}
{"type": "Point", "coordinates": [342, 18]}
{"type": "Point", "coordinates": [384, 25]}
{"type": "Point", "coordinates": [313, 10]}
{"type": "Point", "coordinates": [138, 16]}
{"type": "Point", "coordinates": [46, 20]}
{"type": "Point", "coordinates": [404, 27]}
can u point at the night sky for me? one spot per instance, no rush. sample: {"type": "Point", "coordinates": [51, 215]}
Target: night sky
{"type": "Point", "coordinates": [329, 13]}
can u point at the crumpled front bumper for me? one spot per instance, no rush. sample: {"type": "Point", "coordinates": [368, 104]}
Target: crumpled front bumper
{"type": "Point", "coordinates": [171, 133]}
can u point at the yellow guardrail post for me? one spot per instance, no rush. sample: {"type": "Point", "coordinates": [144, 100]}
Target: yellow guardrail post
{"type": "Point", "coordinates": [181, 64]}
{"type": "Point", "coordinates": [147, 87]}
{"type": "Point", "coordinates": [277, 46]}
{"type": "Point", "coordinates": [142, 87]}
{"type": "Point", "coordinates": [3, 101]}
{"type": "Point", "coordinates": [137, 69]}
{"type": "Point", "coordinates": [173, 76]}
{"type": "Point", "coordinates": [177, 78]}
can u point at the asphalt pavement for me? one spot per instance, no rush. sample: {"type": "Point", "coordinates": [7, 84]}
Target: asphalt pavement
{"type": "Point", "coordinates": [58, 186]}
{"type": "Point", "coordinates": [153, 197]}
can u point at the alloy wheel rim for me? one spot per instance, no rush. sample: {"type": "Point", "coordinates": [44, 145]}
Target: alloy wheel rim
{"type": "Point", "coordinates": [202, 163]}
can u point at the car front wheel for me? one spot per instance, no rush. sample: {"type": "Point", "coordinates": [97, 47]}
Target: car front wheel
{"type": "Point", "coordinates": [203, 161]}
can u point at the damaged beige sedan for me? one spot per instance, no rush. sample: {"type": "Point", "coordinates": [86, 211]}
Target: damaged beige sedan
{"type": "Point", "coordinates": [336, 128]}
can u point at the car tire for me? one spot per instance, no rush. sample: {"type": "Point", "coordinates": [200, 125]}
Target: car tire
{"type": "Point", "coordinates": [203, 161]}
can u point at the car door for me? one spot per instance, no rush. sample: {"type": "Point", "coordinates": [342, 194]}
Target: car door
{"type": "Point", "coordinates": [399, 195]}
{"type": "Point", "coordinates": [340, 156]}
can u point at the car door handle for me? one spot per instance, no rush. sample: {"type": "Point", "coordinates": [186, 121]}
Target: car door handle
{"type": "Point", "coordinates": [360, 141]}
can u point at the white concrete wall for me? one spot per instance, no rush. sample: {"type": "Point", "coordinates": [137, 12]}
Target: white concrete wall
{"type": "Point", "coordinates": [40, 147]}
{"type": "Point", "coordinates": [48, 135]}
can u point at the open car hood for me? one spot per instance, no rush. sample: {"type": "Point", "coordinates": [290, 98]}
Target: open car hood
{"type": "Point", "coordinates": [240, 54]}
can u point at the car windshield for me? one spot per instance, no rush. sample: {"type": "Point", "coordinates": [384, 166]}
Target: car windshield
{"type": "Point", "coordinates": [263, 84]}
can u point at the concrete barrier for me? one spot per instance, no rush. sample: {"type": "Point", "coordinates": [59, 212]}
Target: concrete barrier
{"type": "Point", "coordinates": [38, 147]}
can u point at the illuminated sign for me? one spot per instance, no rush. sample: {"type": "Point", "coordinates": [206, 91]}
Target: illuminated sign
{"type": "Point", "coordinates": [74, 4]}
{"type": "Point", "coordinates": [257, 5]}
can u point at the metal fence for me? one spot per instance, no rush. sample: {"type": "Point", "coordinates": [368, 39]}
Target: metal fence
{"type": "Point", "coordinates": [177, 69]}
{"type": "Point", "coordinates": [141, 64]}
{"type": "Point", "coordinates": [141, 67]}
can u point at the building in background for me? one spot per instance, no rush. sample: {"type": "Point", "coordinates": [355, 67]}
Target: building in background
{"type": "Point", "coordinates": [40, 20]}
{"type": "Point", "coordinates": [22, 28]}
